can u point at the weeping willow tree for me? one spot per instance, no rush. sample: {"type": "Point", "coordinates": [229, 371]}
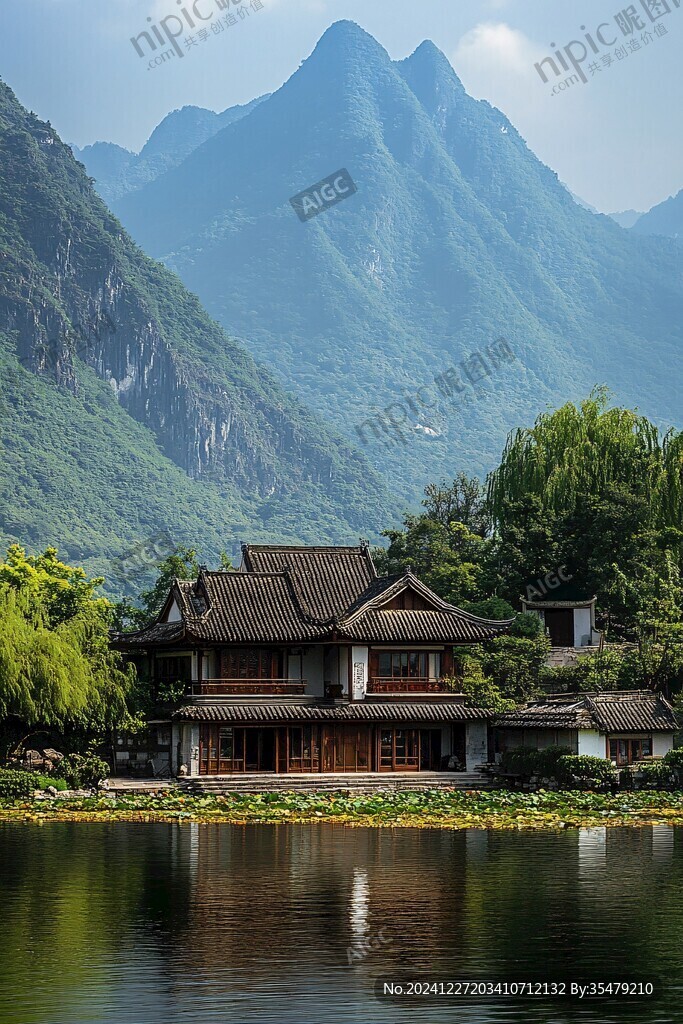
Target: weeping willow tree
{"type": "Point", "coordinates": [586, 450]}
{"type": "Point", "coordinates": [57, 672]}
{"type": "Point", "coordinates": [597, 490]}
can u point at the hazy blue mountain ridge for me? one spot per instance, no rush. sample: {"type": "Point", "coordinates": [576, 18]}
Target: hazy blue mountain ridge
{"type": "Point", "coordinates": [458, 234]}
{"type": "Point", "coordinates": [124, 409]}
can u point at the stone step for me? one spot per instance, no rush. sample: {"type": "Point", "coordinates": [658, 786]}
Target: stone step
{"type": "Point", "coordinates": [337, 782]}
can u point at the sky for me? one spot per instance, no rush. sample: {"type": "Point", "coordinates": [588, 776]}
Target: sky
{"type": "Point", "coordinates": [614, 139]}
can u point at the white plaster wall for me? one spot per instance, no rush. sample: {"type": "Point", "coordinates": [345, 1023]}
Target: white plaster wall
{"type": "Point", "coordinates": [359, 657]}
{"type": "Point", "coordinates": [185, 735]}
{"type": "Point", "coordinates": [476, 746]}
{"type": "Point", "coordinates": [344, 669]}
{"type": "Point", "coordinates": [194, 748]}
{"type": "Point", "coordinates": [173, 613]}
{"type": "Point", "coordinates": [662, 742]}
{"type": "Point", "coordinates": [582, 627]}
{"type": "Point", "coordinates": [592, 742]}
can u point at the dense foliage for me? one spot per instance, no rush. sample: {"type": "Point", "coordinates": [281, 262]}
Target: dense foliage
{"type": "Point", "coordinates": [591, 496]}
{"type": "Point", "coordinates": [57, 671]}
{"type": "Point", "coordinates": [15, 785]}
{"type": "Point", "coordinates": [83, 770]}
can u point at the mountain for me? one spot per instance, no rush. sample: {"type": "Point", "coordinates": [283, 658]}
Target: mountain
{"type": "Point", "coordinates": [124, 409]}
{"type": "Point", "coordinates": [457, 234]}
{"type": "Point", "coordinates": [664, 219]}
{"type": "Point", "coordinates": [626, 218]}
{"type": "Point", "coordinates": [582, 202]}
{"type": "Point", "coordinates": [117, 171]}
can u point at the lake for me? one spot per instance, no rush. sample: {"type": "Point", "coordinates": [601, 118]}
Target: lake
{"type": "Point", "coordinates": [205, 924]}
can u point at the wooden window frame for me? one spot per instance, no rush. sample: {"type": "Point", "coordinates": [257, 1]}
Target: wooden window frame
{"type": "Point", "coordinates": [634, 748]}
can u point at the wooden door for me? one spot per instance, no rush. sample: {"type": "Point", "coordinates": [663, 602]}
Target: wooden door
{"type": "Point", "coordinates": [560, 625]}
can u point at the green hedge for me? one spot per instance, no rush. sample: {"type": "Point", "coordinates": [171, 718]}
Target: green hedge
{"type": "Point", "coordinates": [581, 771]}
{"type": "Point", "coordinates": [656, 775]}
{"type": "Point", "coordinates": [527, 761]}
{"type": "Point", "coordinates": [16, 784]}
{"type": "Point", "coordinates": [83, 770]}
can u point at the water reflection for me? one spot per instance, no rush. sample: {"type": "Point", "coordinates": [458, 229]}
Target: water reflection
{"type": "Point", "coordinates": [206, 923]}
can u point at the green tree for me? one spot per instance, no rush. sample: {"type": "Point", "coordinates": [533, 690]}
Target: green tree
{"type": "Point", "coordinates": [57, 671]}
{"type": "Point", "coordinates": [180, 564]}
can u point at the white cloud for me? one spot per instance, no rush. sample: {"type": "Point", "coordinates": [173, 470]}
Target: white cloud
{"type": "Point", "coordinates": [494, 50]}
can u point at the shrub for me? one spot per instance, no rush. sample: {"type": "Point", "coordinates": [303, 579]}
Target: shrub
{"type": "Point", "coordinates": [81, 770]}
{"type": "Point", "coordinates": [520, 761]}
{"type": "Point", "coordinates": [529, 761]}
{"type": "Point", "coordinates": [546, 761]}
{"type": "Point", "coordinates": [43, 781]}
{"type": "Point", "coordinates": [674, 758]}
{"type": "Point", "coordinates": [656, 775]}
{"type": "Point", "coordinates": [581, 771]}
{"type": "Point", "coordinates": [16, 784]}
{"type": "Point", "coordinates": [528, 625]}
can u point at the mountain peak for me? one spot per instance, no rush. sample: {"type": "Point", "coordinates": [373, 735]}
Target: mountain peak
{"type": "Point", "coordinates": [348, 38]}
{"type": "Point", "coordinates": [427, 70]}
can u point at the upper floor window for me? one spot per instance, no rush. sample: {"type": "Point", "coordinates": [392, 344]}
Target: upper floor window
{"type": "Point", "coordinates": [175, 668]}
{"type": "Point", "coordinates": [403, 664]}
{"type": "Point", "coordinates": [250, 663]}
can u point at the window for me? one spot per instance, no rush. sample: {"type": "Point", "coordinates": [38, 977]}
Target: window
{"type": "Point", "coordinates": [403, 664]}
{"type": "Point", "coordinates": [399, 750]}
{"type": "Point", "coordinates": [249, 663]}
{"type": "Point", "coordinates": [178, 668]}
{"type": "Point", "coordinates": [627, 749]}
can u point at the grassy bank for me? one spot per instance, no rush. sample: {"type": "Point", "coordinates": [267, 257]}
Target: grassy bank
{"type": "Point", "coordinates": [428, 809]}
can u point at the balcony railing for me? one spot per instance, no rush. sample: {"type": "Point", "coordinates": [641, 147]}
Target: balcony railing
{"type": "Point", "coordinates": [247, 687]}
{"type": "Point", "coordinates": [414, 684]}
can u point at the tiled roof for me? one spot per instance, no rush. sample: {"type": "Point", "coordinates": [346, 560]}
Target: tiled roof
{"type": "Point", "coordinates": [637, 711]}
{"type": "Point", "coordinates": [609, 712]}
{"type": "Point", "coordinates": [251, 608]}
{"type": "Point", "coordinates": [442, 622]}
{"type": "Point", "coordinates": [299, 595]}
{"type": "Point", "coordinates": [361, 711]}
{"type": "Point", "coordinates": [566, 595]}
{"type": "Point", "coordinates": [327, 581]}
{"type": "Point", "coordinates": [158, 633]}
{"type": "Point", "coordinates": [551, 714]}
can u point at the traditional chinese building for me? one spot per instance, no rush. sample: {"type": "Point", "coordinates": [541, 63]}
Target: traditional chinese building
{"type": "Point", "coordinates": [305, 660]}
{"type": "Point", "coordinates": [624, 726]}
{"type": "Point", "coordinates": [568, 615]}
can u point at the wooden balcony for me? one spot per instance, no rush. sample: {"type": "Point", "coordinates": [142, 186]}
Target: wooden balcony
{"type": "Point", "coordinates": [248, 687]}
{"type": "Point", "coordinates": [414, 684]}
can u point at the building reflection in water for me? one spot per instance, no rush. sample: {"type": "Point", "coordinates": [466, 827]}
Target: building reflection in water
{"type": "Point", "coordinates": [359, 909]}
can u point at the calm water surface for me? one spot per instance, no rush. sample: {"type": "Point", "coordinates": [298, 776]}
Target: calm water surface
{"type": "Point", "coordinates": [205, 924]}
